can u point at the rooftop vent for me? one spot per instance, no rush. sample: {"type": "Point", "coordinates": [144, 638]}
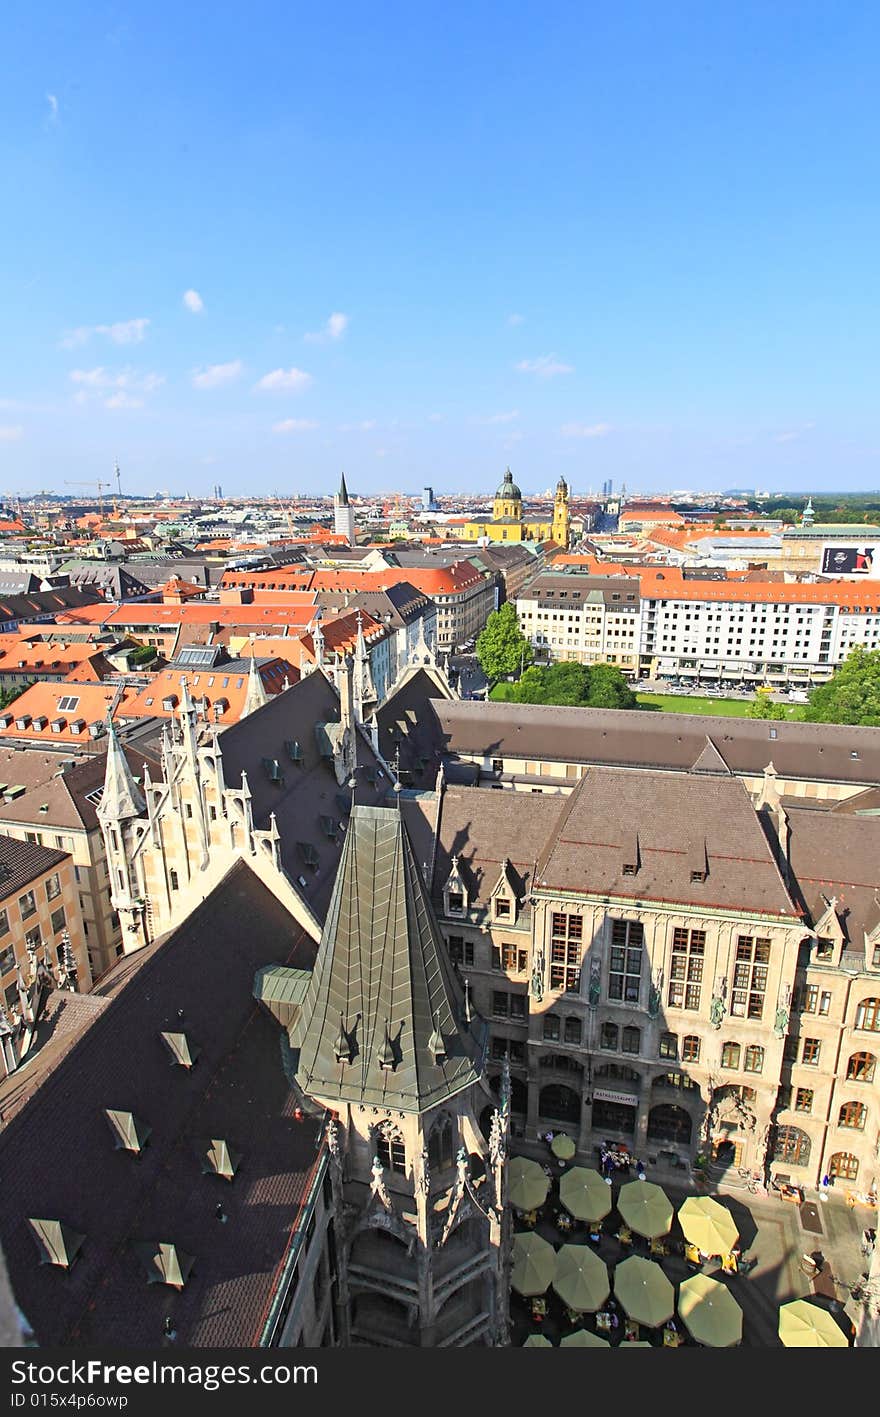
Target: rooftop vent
{"type": "Point", "coordinates": [129, 1134]}
{"type": "Point", "coordinates": [56, 1242]}
{"type": "Point", "coordinates": [164, 1263]}
{"type": "Point", "coordinates": [294, 751]}
{"type": "Point", "coordinates": [328, 827]}
{"type": "Point", "coordinates": [181, 1050]}
{"type": "Point", "coordinates": [308, 853]}
{"type": "Point", "coordinates": [272, 769]}
{"type": "Point", "coordinates": [217, 1159]}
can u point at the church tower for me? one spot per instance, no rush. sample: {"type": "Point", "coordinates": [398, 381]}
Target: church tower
{"type": "Point", "coordinates": [508, 500]}
{"type": "Point", "coordinates": [561, 523]}
{"type": "Point", "coordinates": [384, 1040]}
{"type": "Point", "coordinates": [343, 513]}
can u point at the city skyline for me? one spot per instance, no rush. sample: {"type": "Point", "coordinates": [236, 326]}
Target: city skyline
{"type": "Point", "coordinates": [445, 250]}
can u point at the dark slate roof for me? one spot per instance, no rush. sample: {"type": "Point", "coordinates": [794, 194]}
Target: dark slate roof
{"type": "Point", "coordinates": [309, 791]}
{"type": "Point", "coordinates": [46, 602]}
{"type": "Point", "coordinates": [634, 738]}
{"type": "Point", "coordinates": [408, 728]}
{"type": "Point", "coordinates": [674, 822]}
{"type": "Point", "coordinates": [383, 976]}
{"type": "Point", "coordinates": [58, 1160]}
{"type": "Point", "coordinates": [483, 828]}
{"type": "Point", "coordinates": [22, 862]}
{"type": "Point", "coordinates": [66, 793]}
{"type": "Point", "coordinates": [833, 854]}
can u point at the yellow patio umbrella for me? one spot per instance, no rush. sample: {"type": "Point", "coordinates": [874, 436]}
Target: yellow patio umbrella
{"type": "Point", "coordinates": [581, 1278]}
{"type": "Point", "coordinates": [534, 1264]}
{"type": "Point", "coordinates": [582, 1338]}
{"type": "Point", "coordinates": [708, 1225]}
{"type": "Point", "coordinates": [644, 1291]}
{"type": "Point", "coordinates": [806, 1325]}
{"type": "Point", "coordinates": [584, 1194]}
{"type": "Point", "coordinates": [537, 1340]}
{"type": "Point", "coordinates": [646, 1208]}
{"type": "Point", "coordinates": [527, 1185]}
{"type": "Point", "coordinates": [562, 1146]}
{"type": "Point", "coordinates": [710, 1312]}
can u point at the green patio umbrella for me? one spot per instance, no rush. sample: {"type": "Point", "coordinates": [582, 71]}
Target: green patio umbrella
{"type": "Point", "coordinates": [708, 1225]}
{"type": "Point", "coordinates": [644, 1291]}
{"type": "Point", "coordinates": [582, 1338]}
{"type": "Point", "coordinates": [537, 1340]}
{"type": "Point", "coordinates": [646, 1208]}
{"type": "Point", "coordinates": [534, 1264]}
{"type": "Point", "coordinates": [581, 1278]}
{"type": "Point", "coordinates": [527, 1186]}
{"type": "Point", "coordinates": [638, 1343]}
{"type": "Point", "coordinates": [806, 1325]}
{"type": "Point", "coordinates": [710, 1312]}
{"type": "Point", "coordinates": [584, 1194]}
{"type": "Point", "coordinates": [563, 1147]}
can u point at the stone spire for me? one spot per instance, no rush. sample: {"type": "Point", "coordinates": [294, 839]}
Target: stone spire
{"type": "Point", "coordinates": [343, 492]}
{"type": "Point", "coordinates": [364, 691]}
{"type": "Point", "coordinates": [382, 965]}
{"type": "Point", "coordinates": [121, 799]}
{"type": "Point", "coordinates": [256, 690]}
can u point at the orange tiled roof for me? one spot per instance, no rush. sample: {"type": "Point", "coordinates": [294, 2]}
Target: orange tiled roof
{"type": "Point", "coordinates": [39, 708]}
{"type": "Point", "coordinates": [223, 690]}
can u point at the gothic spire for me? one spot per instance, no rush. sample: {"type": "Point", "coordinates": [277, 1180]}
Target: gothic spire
{"type": "Point", "coordinates": [256, 690]}
{"type": "Point", "coordinates": [121, 799]}
{"type": "Point", "coordinates": [343, 492]}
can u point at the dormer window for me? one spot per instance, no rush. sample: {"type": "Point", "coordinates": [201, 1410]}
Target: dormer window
{"type": "Point", "coordinates": [697, 876]}
{"type": "Point", "coordinates": [629, 868]}
{"type": "Point", "coordinates": [454, 903]}
{"type": "Point", "coordinates": [824, 949]}
{"type": "Point", "coordinates": [502, 908]}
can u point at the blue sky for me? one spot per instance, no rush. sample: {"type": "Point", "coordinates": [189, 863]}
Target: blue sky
{"type": "Point", "coordinates": [256, 244]}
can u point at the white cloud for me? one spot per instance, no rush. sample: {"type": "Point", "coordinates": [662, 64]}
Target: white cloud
{"type": "Point", "coordinates": [515, 320]}
{"type": "Point", "coordinates": [792, 436]}
{"type": "Point", "coordinates": [284, 379]}
{"type": "Point", "coordinates": [122, 332]}
{"type": "Point", "coordinates": [52, 101]}
{"type": "Point", "coordinates": [215, 375]}
{"type": "Point", "coordinates": [365, 426]}
{"type": "Point", "coordinates": [123, 400]}
{"type": "Point", "coordinates": [546, 366]}
{"type": "Point", "coordinates": [294, 425]}
{"type": "Point", "coordinates": [193, 302]}
{"type": "Point", "coordinates": [334, 329]}
{"type": "Point", "coordinates": [11, 432]}
{"type": "Point", "coordinates": [121, 387]}
{"type": "Point", "coordinates": [585, 430]}
{"type": "Point", "coordinates": [498, 417]}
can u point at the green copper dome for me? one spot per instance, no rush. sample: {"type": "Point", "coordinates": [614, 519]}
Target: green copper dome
{"type": "Point", "coordinates": [509, 488]}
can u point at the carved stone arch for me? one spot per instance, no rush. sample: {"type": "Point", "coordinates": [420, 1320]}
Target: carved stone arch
{"type": "Point", "coordinates": [389, 1145]}
{"type": "Point", "coordinates": [376, 1217]}
{"type": "Point", "coordinates": [441, 1142]}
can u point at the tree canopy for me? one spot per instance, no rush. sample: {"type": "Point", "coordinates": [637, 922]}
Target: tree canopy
{"type": "Point", "coordinates": [762, 706]}
{"type": "Point", "coordinates": [579, 685]}
{"type": "Point", "coordinates": [502, 648]}
{"type": "Point", "coordinates": [852, 694]}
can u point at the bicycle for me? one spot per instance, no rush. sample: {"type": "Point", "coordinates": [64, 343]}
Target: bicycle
{"type": "Point", "coordinates": [753, 1183]}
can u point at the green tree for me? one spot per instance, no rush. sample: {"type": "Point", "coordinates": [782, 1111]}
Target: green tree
{"type": "Point", "coordinates": [609, 689]}
{"type": "Point", "coordinates": [762, 706]}
{"type": "Point", "coordinates": [7, 696]}
{"type": "Point", "coordinates": [852, 694]}
{"type": "Point", "coordinates": [502, 648]}
{"type": "Point", "coordinates": [790, 516]}
{"type": "Point", "coordinates": [575, 685]}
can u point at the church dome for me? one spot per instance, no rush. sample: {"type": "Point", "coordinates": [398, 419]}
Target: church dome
{"type": "Point", "coordinates": [562, 487]}
{"type": "Point", "coordinates": [508, 488]}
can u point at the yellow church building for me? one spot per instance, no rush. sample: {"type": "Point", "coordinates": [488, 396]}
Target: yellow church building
{"type": "Point", "coordinates": [507, 524]}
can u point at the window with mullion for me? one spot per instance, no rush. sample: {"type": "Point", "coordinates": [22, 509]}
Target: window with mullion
{"type": "Point", "coordinates": [625, 966]}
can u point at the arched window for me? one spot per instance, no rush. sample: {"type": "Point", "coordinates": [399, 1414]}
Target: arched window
{"type": "Point", "coordinates": [690, 1048]}
{"type": "Point", "coordinates": [861, 1067]}
{"type": "Point", "coordinates": [666, 1122]}
{"type": "Point", "coordinates": [390, 1149]}
{"type": "Point", "coordinates": [631, 1040]}
{"type": "Point", "coordinates": [853, 1115]}
{"type": "Point", "coordinates": [573, 1030]}
{"type": "Point", "coordinates": [559, 1103]}
{"type": "Point", "coordinates": [617, 1070]}
{"type": "Point", "coordinates": [561, 1063]}
{"type": "Point", "coordinates": [668, 1045]}
{"type": "Point", "coordinates": [610, 1035]}
{"type": "Point", "coordinates": [868, 1015]}
{"type": "Point", "coordinates": [730, 1055]}
{"type": "Point", "coordinates": [792, 1146]}
{"type": "Point", "coordinates": [679, 1081]}
{"type": "Point", "coordinates": [844, 1166]}
{"type": "Point", "coordinates": [440, 1146]}
{"type": "Point", "coordinates": [754, 1059]}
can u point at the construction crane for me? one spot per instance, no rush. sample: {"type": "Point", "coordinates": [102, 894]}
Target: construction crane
{"type": "Point", "coordinates": [99, 486]}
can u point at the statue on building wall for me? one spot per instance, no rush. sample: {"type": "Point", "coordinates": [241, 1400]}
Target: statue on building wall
{"type": "Point", "coordinates": [538, 976]}
{"type": "Point", "coordinates": [595, 987]}
{"type": "Point", "coordinates": [716, 1011]}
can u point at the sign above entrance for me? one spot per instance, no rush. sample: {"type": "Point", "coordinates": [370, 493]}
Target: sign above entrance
{"type": "Point", "coordinates": [625, 1099]}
